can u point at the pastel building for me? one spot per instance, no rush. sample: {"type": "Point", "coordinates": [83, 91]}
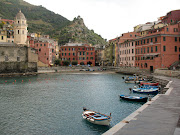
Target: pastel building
{"type": "Point", "coordinates": [160, 48]}
{"type": "Point", "coordinates": [78, 52]}
{"type": "Point", "coordinates": [46, 50]}
{"type": "Point", "coordinates": [171, 17]}
{"type": "Point", "coordinates": [126, 49]}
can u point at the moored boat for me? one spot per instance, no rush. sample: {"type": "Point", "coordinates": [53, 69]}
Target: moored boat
{"type": "Point", "coordinates": [134, 98]}
{"type": "Point", "coordinates": [96, 117]}
{"type": "Point", "coordinates": [146, 90]}
{"type": "Point", "coordinates": [149, 83]}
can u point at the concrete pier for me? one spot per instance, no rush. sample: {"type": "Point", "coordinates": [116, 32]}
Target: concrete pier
{"type": "Point", "coordinates": [157, 117]}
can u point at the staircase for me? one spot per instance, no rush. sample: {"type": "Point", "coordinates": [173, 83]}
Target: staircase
{"type": "Point", "coordinates": [176, 65]}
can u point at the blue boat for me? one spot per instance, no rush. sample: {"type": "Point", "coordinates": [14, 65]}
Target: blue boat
{"type": "Point", "coordinates": [149, 90]}
{"type": "Point", "coordinates": [134, 98]}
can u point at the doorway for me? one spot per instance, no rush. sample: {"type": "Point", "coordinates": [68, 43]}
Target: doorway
{"type": "Point", "coordinates": [151, 69]}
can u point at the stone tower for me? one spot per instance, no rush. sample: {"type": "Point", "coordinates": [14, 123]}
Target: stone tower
{"type": "Point", "coordinates": [20, 29]}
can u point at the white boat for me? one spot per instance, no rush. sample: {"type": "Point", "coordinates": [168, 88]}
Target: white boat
{"type": "Point", "coordinates": [96, 117]}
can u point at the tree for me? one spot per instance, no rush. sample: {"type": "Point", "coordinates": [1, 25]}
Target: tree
{"type": "Point", "coordinates": [57, 62]}
{"type": "Point", "coordinates": [66, 63]}
{"type": "Point", "coordinates": [82, 63]}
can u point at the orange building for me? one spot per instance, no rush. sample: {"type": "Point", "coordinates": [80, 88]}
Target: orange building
{"type": "Point", "coordinates": [78, 52]}
{"type": "Point", "coordinates": [160, 48]}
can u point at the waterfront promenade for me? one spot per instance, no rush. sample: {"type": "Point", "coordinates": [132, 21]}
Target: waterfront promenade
{"type": "Point", "coordinates": [158, 117]}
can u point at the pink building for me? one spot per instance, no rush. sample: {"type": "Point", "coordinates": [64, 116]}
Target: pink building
{"type": "Point", "coordinates": [126, 49]}
{"type": "Point", "coordinates": [46, 49]}
{"type": "Point", "coordinates": [171, 17]}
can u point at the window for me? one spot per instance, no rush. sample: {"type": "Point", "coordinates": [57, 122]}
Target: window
{"type": "Point", "coordinates": [37, 45]}
{"type": "Point", "coordinates": [144, 50]}
{"type": "Point", "coordinates": [2, 37]}
{"type": "Point", "coordinates": [132, 50]}
{"type": "Point", "coordinates": [141, 50]}
{"type": "Point", "coordinates": [151, 49]}
{"type": "Point", "coordinates": [18, 31]}
{"type": "Point", "coordinates": [65, 54]}
{"type": "Point", "coordinates": [147, 40]}
{"type": "Point", "coordinates": [148, 50]}
{"type": "Point", "coordinates": [18, 21]}
{"type": "Point", "coordinates": [18, 58]}
{"type": "Point", "coordinates": [69, 58]}
{"type": "Point", "coordinates": [164, 48]}
{"type": "Point", "coordinates": [164, 38]}
{"type": "Point", "coordinates": [155, 39]}
{"type": "Point", "coordinates": [39, 49]}
{"type": "Point", "coordinates": [79, 53]}
{"type": "Point", "coordinates": [47, 58]}
{"type": "Point", "coordinates": [41, 44]}
{"type": "Point", "coordinates": [144, 41]}
{"type": "Point", "coordinates": [175, 30]}
{"type": "Point", "coordinates": [175, 39]}
{"type": "Point", "coordinates": [91, 53]}
{"type": "Point", "coordinates": [62, 48]}
{"type": "Point", "coordinates": [62, 54]}
{"type": "Point", "coordinates": [69, 54]}
{"type": "Point", "coordinates": [65, 49]}
{"type": "Point", "coordinates": [69, 49]}
{"type": "Point", "coordinates": [175, 48]}
{"type": "Point", "coordinates": [156, 48]}
{"type": "Point", "coordinates": [87, 53]}
{"type": "Point", "coordinates": [167, 29]}
{"type": "Point", "coordinates": [151, 40]}
{"type": "Point", "coordinates": [132, 43]}
{"type": "Point", "coordinates": [87, 58]}
{"type": "Point", "coordinates": [73, 54]}
{"type": "Point", "coordinates": [45, 45]}
{"type": "Point", "coordinates": [83, 53]}
{"type": "Point", "coordinates": [141, 42]}
{"type": "Point", "coordinates": [138, 42]}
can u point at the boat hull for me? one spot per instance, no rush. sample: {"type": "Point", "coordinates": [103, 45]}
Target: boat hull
{"type": "Point", "coordinates": [130, 98]}
{"type": "Point", "coordinates": [148, 91]}
{"type": "Point", "coordinates": [96, 117]}
{"type": "Point", "coordinates": [98, 122]}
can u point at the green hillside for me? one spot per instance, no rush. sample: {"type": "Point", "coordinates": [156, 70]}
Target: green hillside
{"type": "Point", "coordinates": [43, 21]}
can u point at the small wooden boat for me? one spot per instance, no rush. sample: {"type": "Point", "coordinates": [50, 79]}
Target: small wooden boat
{"type": "Point", "coordinates": [149, 83]}
{"type": "Point", "coordinates": [146, 90]}
{"type": "Point", "coordinates": [134, 98]}
{"type": "Point", "coordinates": [96, 117]}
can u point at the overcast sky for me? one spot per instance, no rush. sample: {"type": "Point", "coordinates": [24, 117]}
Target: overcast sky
{"type": "Point", "coordinates": [110, 18]}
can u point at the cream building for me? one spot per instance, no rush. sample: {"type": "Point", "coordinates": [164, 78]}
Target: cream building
{"type": "Point", "coordinates": [20, 29]}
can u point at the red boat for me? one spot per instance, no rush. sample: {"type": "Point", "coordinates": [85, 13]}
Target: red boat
{"type": "Point", "coordinates": [149, 83]}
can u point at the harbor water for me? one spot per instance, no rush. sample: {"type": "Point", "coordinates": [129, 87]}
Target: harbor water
{"type": "Point", "coordinates": [52, 104]}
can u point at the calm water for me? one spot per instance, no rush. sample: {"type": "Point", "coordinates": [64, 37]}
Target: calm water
{"type": "Point", "coordinates": [52, 104]}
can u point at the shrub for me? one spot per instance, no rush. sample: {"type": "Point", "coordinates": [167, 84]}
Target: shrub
{"type": "Point", "coordinates": [66, 63]}
{"type": "Point", "coordinates": [57, 62]}
{"type": "Point", "coordinates": [82, 63]}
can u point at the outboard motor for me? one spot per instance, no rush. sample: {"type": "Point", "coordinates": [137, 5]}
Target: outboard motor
{"type": "Point", "coordinates": [84, 108]}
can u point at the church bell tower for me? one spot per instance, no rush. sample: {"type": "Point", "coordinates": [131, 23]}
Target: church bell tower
{"type": "Point", "coordinates": [20, 29]}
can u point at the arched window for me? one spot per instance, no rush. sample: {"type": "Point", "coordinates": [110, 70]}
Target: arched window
{"type": "Point", "coordinates": [18, 31]}
{"type": "Point", "coordinates": [18, 22]}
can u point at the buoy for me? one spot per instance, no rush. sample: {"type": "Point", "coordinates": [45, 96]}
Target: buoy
{"type": "Point", "coordinates": [15, 80]}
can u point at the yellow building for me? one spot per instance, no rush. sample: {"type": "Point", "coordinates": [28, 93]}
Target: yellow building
{"type": "Point", "coordinates": [3, 35]}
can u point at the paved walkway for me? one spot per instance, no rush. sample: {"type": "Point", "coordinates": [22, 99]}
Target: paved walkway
{"type": "Point", "coordinates": [159, 118]}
